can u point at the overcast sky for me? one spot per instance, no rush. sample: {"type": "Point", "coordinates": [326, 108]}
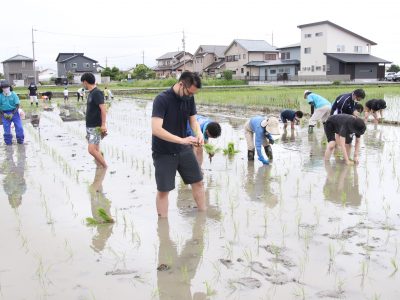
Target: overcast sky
{"type": "Point", "coordinates": [130, 32]}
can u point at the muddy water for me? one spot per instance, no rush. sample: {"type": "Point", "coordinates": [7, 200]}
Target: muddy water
{"type": "Point", "coordinates": [298, 228]}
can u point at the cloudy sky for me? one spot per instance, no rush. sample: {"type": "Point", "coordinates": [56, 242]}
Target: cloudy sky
{"type": "Point", "coordinates": [125, 33]}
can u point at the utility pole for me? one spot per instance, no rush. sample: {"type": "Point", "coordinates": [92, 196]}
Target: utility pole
{"type": "Point", "coordinates": [106, 62]}
{"type": "Point", "coordinates": [184, 54]}
{"type": "Point", "coordinates": [272, 38]}
{"type": "Point", "coordinates": [33, 51]}
{"type": "Point", "coordinates": [143, 57]}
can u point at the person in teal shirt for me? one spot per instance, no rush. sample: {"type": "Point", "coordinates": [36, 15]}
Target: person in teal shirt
{"type": "Point", "coordinates": [9, 104]}
{"type": "Point", "coordinates": [320, 109]}
{"type": "Point", "coordinates": [209, 129]}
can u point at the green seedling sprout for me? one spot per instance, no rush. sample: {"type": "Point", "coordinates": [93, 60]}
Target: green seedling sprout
{"type": "Point", "coordinates": [211, 150]}
{"type": "Point", "coordinates": [105, 218]}
{"type": "Point", "coordinates": [230, 150]}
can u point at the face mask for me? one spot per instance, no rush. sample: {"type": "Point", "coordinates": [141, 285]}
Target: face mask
{"type": "Point", "coordinates": [6, 91]}
{"type": "Point", "coordinates": [184, 97]}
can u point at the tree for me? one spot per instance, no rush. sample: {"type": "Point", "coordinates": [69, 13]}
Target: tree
{"type": "Point", "coordinates": [70, 77]}
{"type": "Point", "coordinates": [228, 74]}
{"type": "Point", "coordinates": [1, 76]}
{"type": "Point", "coordinates": [141, 71]}
{"type": "Point", "coordinates": [113, 73]}
{"type": "Point", "coordinates": [393, 68]}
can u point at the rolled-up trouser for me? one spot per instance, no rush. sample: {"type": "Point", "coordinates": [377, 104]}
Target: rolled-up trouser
{"type": "Point", "coordinates": [249, 134]}
{"type": "Point", "coordinates": [33, 98]}
{"type": "Point", "coordinates": [19, 130]}
{"type": "Point", "coordinates": [320, 114]}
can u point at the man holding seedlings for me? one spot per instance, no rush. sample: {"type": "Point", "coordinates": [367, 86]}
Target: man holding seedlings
{"type": "Point", "coordinates": [320, 109]}
{"type": "Point", "coordinates": [339, 130]}
{"type": "Point", "coordinates": [208, 129]}
{"type": "Point", "coordinates": [292, 116]}
{"type": "Point", "coordinates": [375, 107]}
{"type": "Point", "coordinates": [263, 128]}
{"type": "Point", "coordinates": [9, 105]}
{"type": "Point", "coordinates": [348, 103]}
{"type": "Point", "coordinates": [95, 118]}
{"type": "Point", "coordinates": [172, 148]}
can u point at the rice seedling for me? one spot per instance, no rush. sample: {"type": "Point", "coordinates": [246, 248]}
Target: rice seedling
{"type": "Point", "coordinates": [185, 274]}
{"type": "Point", "coordinates": [393, 262]}
{"type": "Point", "coordinates": [211, 150]}
{"type": "Point", "coordinates": [209, 290]}
{"type": "Point", "coordinates": [230, 149]}
{"type": "Point", "coordinates": [103, 218]}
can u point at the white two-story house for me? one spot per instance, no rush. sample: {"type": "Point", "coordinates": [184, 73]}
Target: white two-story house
{"type": "Point", "coordinates": [329, 51]}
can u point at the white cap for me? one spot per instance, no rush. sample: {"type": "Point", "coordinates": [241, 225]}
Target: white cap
{"type": "Point", "coordinates": [271, 125]}
{"type": "Point", "coordinates": [306, 91]}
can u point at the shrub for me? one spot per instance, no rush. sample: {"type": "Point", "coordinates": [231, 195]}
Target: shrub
{"type": "Point", "coordinates": [228, 74]}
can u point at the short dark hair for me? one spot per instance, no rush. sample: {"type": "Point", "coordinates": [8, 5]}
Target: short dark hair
{"type": "Point", "coordinates": [381, 103]}
{"type": "Point", "coordinates": [89, 78]}
{"type": "Point", "coordinates": [214, 129]}
{"type": "Point", "coordinates": [359, 126]}
{"type": "Point", "coordinates": [299, 114]}
{"type": "Point", "coordinates": [359, 93]}
{"type": "Point", "coordinates": [358, 107]}
{"type": "Point", "coordinates": [190, 78]}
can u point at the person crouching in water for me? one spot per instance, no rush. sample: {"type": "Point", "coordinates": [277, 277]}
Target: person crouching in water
{"type": "Point", "coordinates": [9, 105]}
{"type": "Point", "coordinates": [263, 128]}
{"type": "Point", "coordinates": [320, 109]}
{"type": "Point", "coordinates": [292, 116]}
{"type": "Point", "coordinates": [375, 107]}
{"type": "Point", "coordinates": [339, 130]}
{"type": "Point", "coordinates": [209, 129]}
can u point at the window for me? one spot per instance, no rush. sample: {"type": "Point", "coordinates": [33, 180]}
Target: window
{"type": "Point", "coordinates": [285, 55]}
{"type": "Point", "coordinates": [328, 67]}
{"type": "Point", "coordinates": [236, 57]}
{"type": "Point", "coordinates": [241, 70]}
{"type": "Point", "coordinates": [319, 34]}
{"type": "Point", "coordinates": [307, 35]}
{"type": "Point", "coordinates": [23, 64]}
{"type": "Point", "coordinates": [280, 70]}
{"type": "Point", "coordinates": [269, 56]}
{"type": "Point", "coordinates": [323, 68]}
{"type": "Point", "coordinates": [86, 65]}
{"type": "Point", "coordinates": [307, 50]}
{"type": "Point", "coordinates": [233, 72]}
{"type": "Point", "coordinates": [357, 49]}
{"type": "Point", "coordinates": [287, 70]}
{"type": "Point", "coordinates": [340, 48]}
{"type": "Point", "coordinates": [244, 56]}
{"type": "Point", "coordinates": [312, 68]}
{"type": "Point", "coordinates": [73, 65]}
{"type": "Point", "coordinates": [365, 71]}
{"type": "Point", "coordinates": [318, 68]}
{"type": "Point", "coordinates": [272, 71]}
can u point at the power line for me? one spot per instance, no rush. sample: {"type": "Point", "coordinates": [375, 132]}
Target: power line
{"type": "Point", "coordinates": [107, 37]}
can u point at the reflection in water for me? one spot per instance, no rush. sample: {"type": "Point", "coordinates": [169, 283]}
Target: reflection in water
{"type": "Point", "coordinates": [286, 138]}
{"type": "Point", "coordinates": [175, 282]}
{"type": "Point", "coordinates": [259, 187]}
{"type": "Point", "coordinates": [14, 182]}
{"type": "Point", "coordinates": [341, 185]}
{"type": "Point", "coordinates": [374, 138]}
{"type": "Point", "coordinates": [99, 200]}
{"type": "Point", "coordinates": [70, 113]}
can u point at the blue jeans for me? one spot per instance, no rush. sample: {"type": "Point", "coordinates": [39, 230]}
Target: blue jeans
{"type": "Point", "coordinates": [19, 131]}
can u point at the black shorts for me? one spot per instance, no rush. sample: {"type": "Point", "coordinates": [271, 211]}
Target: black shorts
{"type": "Point", "coordinates": [330, 133]}
{"type": "Point", "coordinates": [166, 166]}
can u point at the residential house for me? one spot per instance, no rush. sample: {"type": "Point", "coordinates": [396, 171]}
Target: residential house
{"type": "Point", "coordinates": [329, 51]}
{"type": "Point", "coordinates": [284, 68]}
{"type": "Point", "coordinates": [171, 64]}
{"type": "Point", "coordinates": [47, 74]}
{"type": "Point", "coordinates": [19, 68]}
{"type": "Point", "coordinates": [209, 59]}
{"type": "Point", "coordinates": [77, 64]}
{"type": "Point", "coordinates": [242, 58]}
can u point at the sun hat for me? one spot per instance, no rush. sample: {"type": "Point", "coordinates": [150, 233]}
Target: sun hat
{"type": "Point", "coordinates": [271, 125]}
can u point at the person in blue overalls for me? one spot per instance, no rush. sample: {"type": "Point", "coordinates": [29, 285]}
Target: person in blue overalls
{"type": "Point", "coordinates": [209, 129]}
{"type": "Point", "coordinates": [9, 104]}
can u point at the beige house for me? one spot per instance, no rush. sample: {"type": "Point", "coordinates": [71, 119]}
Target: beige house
{"type": "Point", "coordinates": [209, 59]}
{"type": "Point", "coordinates": [172, 64]}
{"type": "Point", "coordinates": [241, 52]}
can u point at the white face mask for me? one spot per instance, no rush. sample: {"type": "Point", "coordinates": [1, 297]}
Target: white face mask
{"type": "Point", "coordinates": [6, 91]}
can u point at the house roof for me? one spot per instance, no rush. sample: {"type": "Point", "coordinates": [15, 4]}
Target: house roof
{"type": "Point", "coordinates": [216, 65]}
{"type": "Point", "coordinates": [18, 57]}
{"type": "Point", "coordinates": [356, 58]}
{"type": "Point", "coordinates": [297, 45]}
{"type": "Point", "coordinates": [338, 27]}
{"type": "Point", "coordinates": [68, 54]}
{"type": "Point", "coordinates": [172, 67]}
{"type": "Point", "coordinates": [254, 45]}
{"type": "Point", "coordinates": [174, 54]}
{"type": "Point", "coordinates": [216, 49]}
{"type": "Point", "coordinates": [77, 55]}
{"type": "Point", "coordinates": [286, 62]}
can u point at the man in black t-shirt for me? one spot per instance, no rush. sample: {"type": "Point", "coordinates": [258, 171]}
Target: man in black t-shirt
{"type": "Point", "coordinates": [339, 130]}
{"type": "Point", "coordinates": [95, 118]}
{"type": "Point", "coordinates": [33, 93]}
{"type": "Point", "coordinates": [375, 107]}
{"type": "Point", "coordinates": [172, 148]}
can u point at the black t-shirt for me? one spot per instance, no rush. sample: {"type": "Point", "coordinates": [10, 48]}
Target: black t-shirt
{"type": "Point", "coordinates": [343, 125]}
{"type": "Point", "coordinates": [175, 113]}
{"type": "Point", "coordinates": [344, 104]}
{"type": "Point", "coordinates": [375, 104]}
{"type": "Point", "coordinates": [32, 90]}
{"type": "Point", "coordinates": [93, 112]}
{"type": "Point", "coordinates": [288, 115]}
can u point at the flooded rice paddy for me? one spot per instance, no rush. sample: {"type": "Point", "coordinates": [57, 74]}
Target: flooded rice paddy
{"type": "Point", "coordinates": [297, 229]}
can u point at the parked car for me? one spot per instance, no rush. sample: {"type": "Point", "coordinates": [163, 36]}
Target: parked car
{"type": "Point", "coordinates": [396, 77]}
{"type": "Point", "coordinates": [389, 75]}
